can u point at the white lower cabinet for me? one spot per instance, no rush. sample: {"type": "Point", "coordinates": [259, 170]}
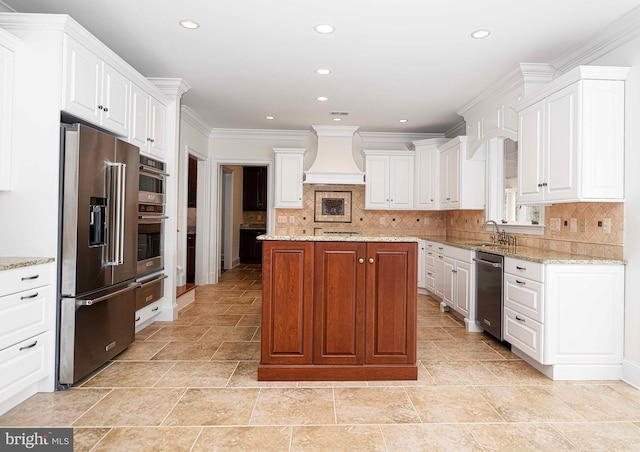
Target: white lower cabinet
{"type": "Point", "coordinates": [144, 315]}
{"type": "Point", "coordinates": [27, 319]}
{"type": "Point", "coordinates": [567, 320]}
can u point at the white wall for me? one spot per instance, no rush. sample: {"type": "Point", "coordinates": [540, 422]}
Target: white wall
{"type": "Point", "coordinates": [629, 55]}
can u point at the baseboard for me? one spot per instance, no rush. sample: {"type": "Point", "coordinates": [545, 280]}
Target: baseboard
{"type": "Point", "coordinates": [587, 372]}
{"type": "Point", "coordinates": [631, 373]}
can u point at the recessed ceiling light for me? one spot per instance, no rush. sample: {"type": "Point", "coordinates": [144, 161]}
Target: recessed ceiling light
{"type": "Point", "coordinates": [323, 71]}
{"type": "Point", "coordinates": [322, 98]}
{"type": "Point", "coordinates": [337, 119]}
{"type": "Point", "coordinates": [269, 117]}
{"type": "Point", "coordinates": [480, 34]}
{"type": "Point", "coordinates": [324, 28]}
{"type": "Point", "coordinates": [403, 120]}
{"type": "Point", "coordinates": [190, 24]}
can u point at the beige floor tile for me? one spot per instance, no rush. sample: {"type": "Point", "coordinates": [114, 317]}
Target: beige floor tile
{"type": "Point", "coordinates": [169, 439]}
{"type": "Point", "coordinates": [147, 332]}
{"type": "Point", "coordinates": [245, 309]}
{"type": "Point", "coordinates": [462, 334]}
{"type": "Point", "coordinates": [374, 406]}
{"type": "Point", "coordinates": [427, 351]}
{"type": "Point", "coordinates": [250, 439]}
{"type": "Point", "coordinates": [528, 404]}
{"type": "Point", "coordinates": [598, 402]}
{"type": "Point", "coordinates": [202, 407]}
{"type": "Point", "coordinates": [235, 300]}
{"type": "Point", "coordinates": [434, 334]}
{"type": "Point", "coordinates": [179, 333]}
{"type": "Point", "coordinates": [246, 376]}
{"type": "Point", "coordinates": [124, 374]}
{"type": "Point", "coordinates": [84, 439]}
{"type": "Point", "coordinates": [187, 351]}
{"type": "Point", "coordinates": [208, 308]}
{"type": "Point", "coordinates": [52, 409]}
{"type": "Point", "coordinates": [460, 373]}
{"type": "Point", "coordinates": [520, 437]}
{"type": "Point", "coordinates": [294, 406]}
{"type": "Point", "coordinates": [229, 333]}
{"type": "Point", "coordinates": [250, 320]}
{"type": "Point", "coordinates": [140, 351]}
{"type": "Point", "coordinates": [337, 438]}
{"type": "Point", "coordinates": [438, 320]}
{"type": "Point", "coordinates": [238, 351]}
{"type": "Point", "coordinates": [502, 349]}
{"type": "Point", "coordinates": [468, 350]}
{"type": "Point", "coordinates": [131, 407]}
{"type": "Point", "coordinates": [217, 320]}
{"type": "Point", "coordinates": [252, 293]}
{"type": "Point", "coordinates": [600, 437]}
{"type": "Point", "coordinates": [451, 404]}
{"type": "Point", "coordinates": [516, 372]}
{"type": "Point", "coordinates": [429, 437]}
{"type": "Point", "coordinates": [424, 379]}
{"type": "Point", "coordinates": [211, 374]}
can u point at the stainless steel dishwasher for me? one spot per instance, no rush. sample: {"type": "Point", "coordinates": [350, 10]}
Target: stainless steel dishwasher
{"type": "Point", "coordinates": [489, 292]}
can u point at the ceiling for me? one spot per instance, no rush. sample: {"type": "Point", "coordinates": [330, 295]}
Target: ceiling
{"type": "Point", "coordinates": [390, 59]}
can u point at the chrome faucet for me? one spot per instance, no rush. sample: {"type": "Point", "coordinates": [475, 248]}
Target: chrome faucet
{"type": "Point", "coordinates": [503, 237]}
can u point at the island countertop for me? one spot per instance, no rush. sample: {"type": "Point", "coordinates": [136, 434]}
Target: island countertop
{"type": "Point", "coordinates": [8, 263]}
{"type": "Point", "coordinates": [339, 238]}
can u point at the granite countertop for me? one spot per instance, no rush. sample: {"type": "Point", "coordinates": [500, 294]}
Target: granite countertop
{"type": "Point", "coordinates": [8, 263]}
{"type": "Point", "coordinates": [338, 238]}
{"type": "Point", "coordinates": [529, 254]}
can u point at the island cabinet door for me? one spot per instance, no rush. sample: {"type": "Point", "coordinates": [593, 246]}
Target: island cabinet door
{"type": "Point", "coordinates": [338, 303]}
{"type": "Point", "coordinates": [390, 305]}
{"type": "Point", "coordinates": [287, 297]}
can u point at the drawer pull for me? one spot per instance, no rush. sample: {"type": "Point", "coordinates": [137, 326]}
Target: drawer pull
{"type": "Point", "coordinates": [430, 274]}
{"type": "Point", "coordinates": [29, 346]}
{"type": "Point", "coordinates": [440, 257]}
{"type": "Point", "coordinates": [28, 278]}
{"type": "Point", "coordinates": [29, 296]}
{"type": "Point", "coordinates": [155, 309]}
{"type": "Point", "coordinates": [429, 253]}
{"type": "Point", "coordinates": [454, 271]}
{"type": "Point", "coordinates": [521, 282]}
{"type": "Point", "coordinates": [440, 248]}
{"type": "Point", "coordinates": [149, 298]}
{"type": "Point", "coordinates": [138, 318]}
{"type": "Point", "coordinates": [520, 320]}
{"type": "Point", "coordinates": [521, 268]}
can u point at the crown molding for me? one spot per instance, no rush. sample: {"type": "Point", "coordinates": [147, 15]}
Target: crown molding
{"type": "Point", "coordinates": [259, 134]}
{"type": "Point", "coordinates": [172, 87]}
{"type": "Point", "coordinates": [612, 36]}
{"type": "Point", "coordinates": [194, 120]}
{"type": "Point", "coordinates": [458, 129]}
{"type": "Point", "coordinates": [395, 137]}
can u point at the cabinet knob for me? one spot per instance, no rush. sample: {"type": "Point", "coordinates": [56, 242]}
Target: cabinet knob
{"type": "Point", "coordinates": [100, 107]}
{"type": "Point", "coordinates": [105, 109]}
{"type": "Point", "coordinates": [371, 260]}
{"type": "Point", "coordinates": [361, 261]}
{"type": "Point", "coordinates": [544, 184]}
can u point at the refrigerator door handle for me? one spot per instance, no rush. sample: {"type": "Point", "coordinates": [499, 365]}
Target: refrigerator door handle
{"type": "Point", "coordinates": [117, 184]}
{"type": "Point", "coordinates": [92, 301]}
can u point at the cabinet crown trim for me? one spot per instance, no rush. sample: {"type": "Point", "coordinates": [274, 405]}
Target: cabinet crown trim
{"type": "Point", "coordinates": [613, 73]}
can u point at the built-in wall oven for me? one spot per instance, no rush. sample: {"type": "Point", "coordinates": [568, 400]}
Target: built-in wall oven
{"type": "Point", "coordinates": [151, 215]}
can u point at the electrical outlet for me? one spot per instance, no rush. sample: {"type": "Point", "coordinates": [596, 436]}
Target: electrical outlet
{"type": "Point", "coordinates": [282, 219]}
{"type": "Point", "coordinates": [426, 220]}
{"type": "Point", "coordinates": [554, 224]}
{"type": "Point", "coordinates": [292, 219]}
{"type": "Point", "coordinates": [382, 220]}
{"type": "Point", "coordinates": [282, 231]}
{"type": "Point", "coordinates": [292, 231]}
{"type": "Point", "coordinates": [574, 225]}
{"type": "Point", "coordinates": [606, 225]}
{"type": "Point", "coordinates": [583, 225]}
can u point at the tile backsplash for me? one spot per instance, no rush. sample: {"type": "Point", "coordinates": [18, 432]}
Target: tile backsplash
{"type": "Point", "coordinates": [595, 229]}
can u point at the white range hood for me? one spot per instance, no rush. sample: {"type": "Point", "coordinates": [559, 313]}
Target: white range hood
{"type": "Point", "coordinates": [334, 162]}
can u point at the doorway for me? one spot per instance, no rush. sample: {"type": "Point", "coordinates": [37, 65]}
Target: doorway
{"type": "Point", "coordinates": [192, 187]}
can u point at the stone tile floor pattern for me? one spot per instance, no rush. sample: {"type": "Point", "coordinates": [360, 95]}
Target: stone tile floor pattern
{"type": "Point", "coordinates": [191, 385]}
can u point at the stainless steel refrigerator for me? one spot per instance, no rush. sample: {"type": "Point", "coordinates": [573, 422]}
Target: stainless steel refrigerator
{"type": "Point", "coordinates": [98, 254]}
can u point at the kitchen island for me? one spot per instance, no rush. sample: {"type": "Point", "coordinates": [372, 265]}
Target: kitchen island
{"type": "Point", "coordinates": [339, 308]}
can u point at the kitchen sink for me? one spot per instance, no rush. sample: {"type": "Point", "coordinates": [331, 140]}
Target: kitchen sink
{"type": "Point", "coordinates": [483, 244]}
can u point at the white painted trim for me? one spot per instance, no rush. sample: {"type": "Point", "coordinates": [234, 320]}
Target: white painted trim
{"type": "Point", "coordinates": [631, 373]}
{"type": "Point", "coordinates": [395, 137]}
{"type": "Point", "coordinates": [186, 299]}
{"type": "Point", "coordinates": [172, 87]}
{"type": "Point", "coordinates": [458, 129]}
{"type": "Point", "coordinates": [194, 120]}
{"type": "Point", "coordinates": [259, 134]}
{"type": "Point", "coordinates": [609, 38]}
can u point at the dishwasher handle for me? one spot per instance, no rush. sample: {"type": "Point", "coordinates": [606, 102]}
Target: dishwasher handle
{"type": "Point", "coordinates": [489, 263]}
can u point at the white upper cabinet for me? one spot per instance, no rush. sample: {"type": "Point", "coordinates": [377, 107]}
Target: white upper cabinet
{"type": "Point", "coordinates": [147, 122]}
{"type": "Point", "coordinates": [288, 177]}
{"type": "Point", "coordinates": [389, 180]}
{"type": "Point", "coordinates": [7, 44]}
{"type": "Point", "coordinates": [571, 138]}
{"type": "Point", "coordinates": [425, 194]}
{"type": "Point", "coordinates": [93, 90]}
{"type": "Point", "coordinates": [462, 180]}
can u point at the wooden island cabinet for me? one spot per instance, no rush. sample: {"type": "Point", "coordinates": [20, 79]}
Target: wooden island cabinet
{"type": "Point", "coordinates": [339, 310]}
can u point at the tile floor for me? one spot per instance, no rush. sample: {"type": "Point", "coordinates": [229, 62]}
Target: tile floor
{"type": "Point", "coordinates": [191, 385]}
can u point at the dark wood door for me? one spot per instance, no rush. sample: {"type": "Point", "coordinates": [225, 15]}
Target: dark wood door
{"type": "Point", "coordinates": [192, 182]}
{"type": "Point", "coordinates": [287, 298]}
{"type": "Point", "coordinates": [338, 303]}
{"type": "Point", "coordinates": [250, 247]}
{"type": "Point", "coordinates": [191, 258]}
{"type": "Point", "coordinates": [390, 307]}
{"type": "Point", "coordinates": [254, 188]}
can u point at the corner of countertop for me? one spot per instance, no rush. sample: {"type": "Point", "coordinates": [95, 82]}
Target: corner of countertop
{"type": "Point", "coordinates": [11, 262]}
